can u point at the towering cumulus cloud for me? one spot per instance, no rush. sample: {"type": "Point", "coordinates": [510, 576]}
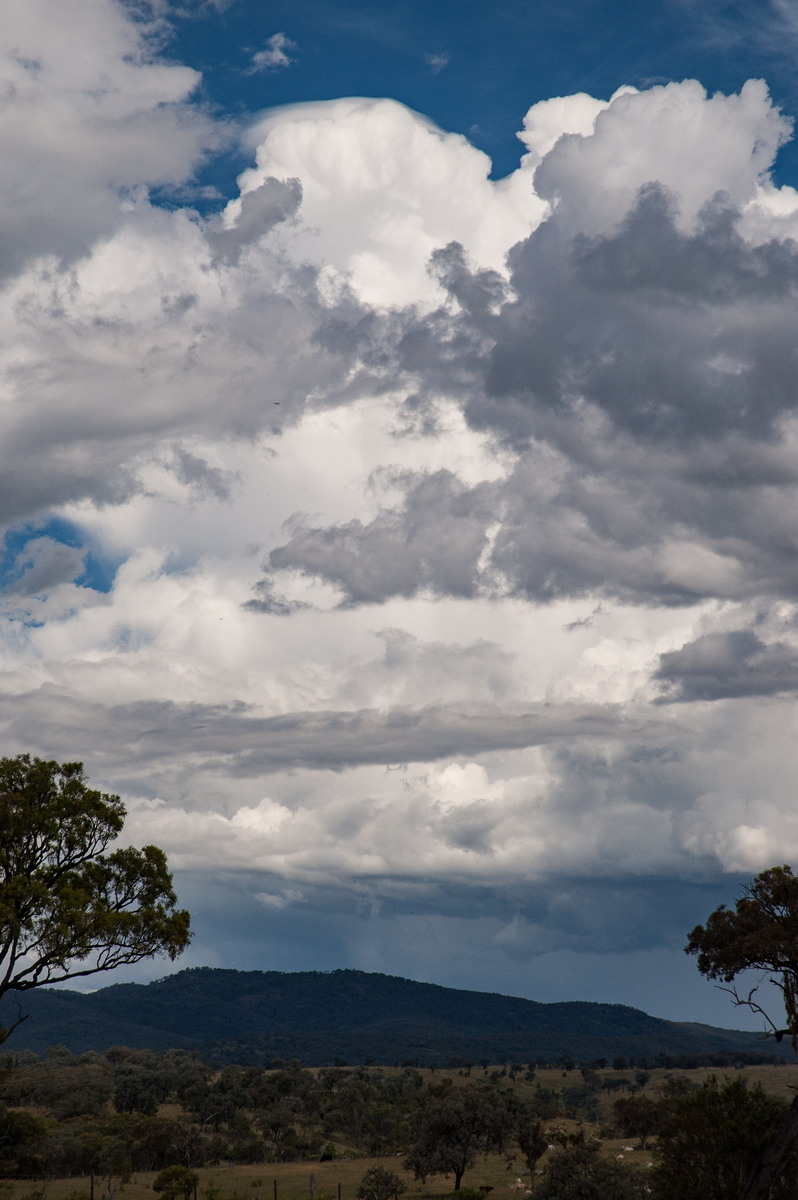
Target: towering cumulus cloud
{"type": "Point", "coordinates": [415, 551]}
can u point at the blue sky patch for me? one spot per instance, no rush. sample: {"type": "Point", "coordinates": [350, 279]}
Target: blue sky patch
{"type": "Point", "coordinates": [38, 557]}
{"type": "Point", "coordinates": [476, 68]}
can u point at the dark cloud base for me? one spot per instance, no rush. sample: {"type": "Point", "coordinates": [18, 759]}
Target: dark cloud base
{"type": "Point", "coordinates": [149, 731]}
{"type": "Point", "coordinates": [732, 665]}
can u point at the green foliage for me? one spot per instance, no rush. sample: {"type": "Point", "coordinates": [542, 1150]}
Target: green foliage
{"type": "Point", "coordinates": [175, 1182]}
{"type": "Point", "coordinates": [135, 1093]}
{"type": "Point", "coordinates": [581, 1101]}
{"type": "Point", "coordinates": [67, 1085]}
{"type": "Point", "coordinates": [66, 907]}
{"type": "Point", "coordinates": [617, 1083]}
{"type": "Point", "coordinates": [579, 1172]}
{"type": "Point", "coordinates": [370, 1108]}
{"type": "Point", "coordinates": [286, 1114]}
{"type": "Point", "coordinates": [453, 1126]}
{"type": "Point", "coordinates": [640, 1116]}
{"type": "Point", "coordinates": [380, 1184]}
{"type": "Point", "coordinates": [761, 934]}
{"type": "Point", "coordinates": [714, 1137]}
{"type": "Point", "coordinates": [22, 1137]}
{"type": "Point", "coordinates": [531, 1137]}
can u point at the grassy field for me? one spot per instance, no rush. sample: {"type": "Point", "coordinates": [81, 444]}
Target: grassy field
{"type": "Point", "coordinates": [291, 1180]}
{"type": "Point", "coordinates": [781, 1080]}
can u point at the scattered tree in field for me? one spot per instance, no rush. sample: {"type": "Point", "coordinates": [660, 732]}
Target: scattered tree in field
{"type": "Point", "coordinates": [580, 1172]}
{"type": "Point", "coordinates": [639, 1116]}
{"type": "Point", "coordinates": [454, 1126]}
{"type": "Point", "coordinates": [380, 1184]}
{"type": "Point", "coordinates": [67, 908]}
{"type": "Point", "coordinates": [580, 1099]}
{"type": "Point", "coordinates": [531, 1138]}
{"type": "Point", "coordinates": [712, 1140]}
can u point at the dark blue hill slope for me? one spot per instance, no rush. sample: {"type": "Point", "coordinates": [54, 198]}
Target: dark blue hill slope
{"type": "Point", "coordinates": [352, 1016]}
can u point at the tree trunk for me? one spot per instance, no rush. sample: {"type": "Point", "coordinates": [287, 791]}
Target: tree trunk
{"type": "Point", "coordinates": [458, 1175]}
{"type": "Point", "coordinates": [765, 1174]}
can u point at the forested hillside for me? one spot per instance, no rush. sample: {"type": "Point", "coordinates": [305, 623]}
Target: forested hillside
{"type": "Point", "coordinates": [354, 1017]}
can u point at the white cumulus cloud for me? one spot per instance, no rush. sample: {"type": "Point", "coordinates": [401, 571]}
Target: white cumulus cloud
{"type": "Point", "coordinates": [448, 523]}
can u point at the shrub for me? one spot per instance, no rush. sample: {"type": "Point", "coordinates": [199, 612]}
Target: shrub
{"type": "Point", "coordinates": [175, 1182]}
{"type": "Point", "coordinates": [380, 1184]}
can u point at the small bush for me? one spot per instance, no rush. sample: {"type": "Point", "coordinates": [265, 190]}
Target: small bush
{"type": "Point", "coordinates": [380, 1184]}
{"type": "Point", "coordinates": [175, 1182]}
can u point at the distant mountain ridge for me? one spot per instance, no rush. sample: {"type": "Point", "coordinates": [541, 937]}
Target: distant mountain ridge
{"type": "Point", "coordinates": [350, 1016]}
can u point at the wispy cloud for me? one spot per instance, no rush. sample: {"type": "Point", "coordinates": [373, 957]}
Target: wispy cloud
{"type": "Point", "coordinates": [437, 62]}
{"type": "Point", "coordinates": [275, 55]}
{"type": "Point", "coordinates": [772, 28]}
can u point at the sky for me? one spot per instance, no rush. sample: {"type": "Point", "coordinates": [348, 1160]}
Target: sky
{"type": "Point", "coordinates": [400, 470]}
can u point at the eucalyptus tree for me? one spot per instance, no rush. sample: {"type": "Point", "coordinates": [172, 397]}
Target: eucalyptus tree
{"type": "Point", "coordinates": [69, 905]}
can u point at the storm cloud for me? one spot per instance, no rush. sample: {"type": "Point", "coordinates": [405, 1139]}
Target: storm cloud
{"type": "Point", "coordinates": [413, 550]}
{"type": "Point", "coordinates": [722, 666]}
{"type": "Point", "coordinates": [319, 740]}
